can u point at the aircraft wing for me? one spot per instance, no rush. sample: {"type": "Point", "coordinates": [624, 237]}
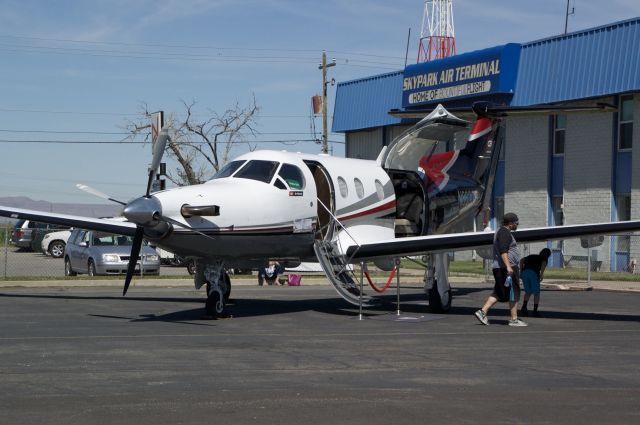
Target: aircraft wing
{"type": "Point", "coordinates": [417, 245]}
{"type": "Point", "coordinates": [89, 223]}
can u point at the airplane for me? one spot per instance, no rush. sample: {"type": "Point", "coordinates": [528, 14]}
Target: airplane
{"type": "Point", "coordinates": [415, 199]}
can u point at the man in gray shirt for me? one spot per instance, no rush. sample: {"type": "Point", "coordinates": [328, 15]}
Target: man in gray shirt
{"type": "Point", "coordinates": [506, 272]}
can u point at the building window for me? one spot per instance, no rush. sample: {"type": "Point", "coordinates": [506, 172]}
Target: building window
{"type": "Point", "coordinates": [625, 126]}
{"type": "Point", "coordinates": [559, 129]}
{"type": "Point", "coordinates": [557, 215]}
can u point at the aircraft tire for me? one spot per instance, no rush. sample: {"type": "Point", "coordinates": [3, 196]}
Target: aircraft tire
{"type": "Point", "coordinates": [435, 303]}
{"type": "Point", "coordinates": [214, 306]}
{"type": "Point", "coordinates": [227, 292]}
{"type": "Point", "coordinates": [191, 266]}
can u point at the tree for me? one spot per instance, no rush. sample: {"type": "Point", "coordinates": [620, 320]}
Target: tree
{"type": "Point", "coordinates": [200, 147]}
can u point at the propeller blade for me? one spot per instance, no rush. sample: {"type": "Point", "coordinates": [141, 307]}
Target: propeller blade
{"type": "Point", "coordinates": [133, 259]}
{"type": "Point", "coordinates": [97, 193]}
{"type": "Point", "coordinates": [158, 151]}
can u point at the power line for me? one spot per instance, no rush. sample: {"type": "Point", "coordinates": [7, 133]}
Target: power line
{"type": "Point", "coordinates": [215, 55]}
{"type": "Point", "coordinates": [122, 142]}
{"type": "Point", "coordinates": [185, 46]}
{"type": "Point", "coordinates": [125, 133]}
{"type": "Point", "coordinates": [50, 111]}
{"type": "Point", "coordinates": [65, 132]}
{"type": "Point", "coordinates": [168, 56]}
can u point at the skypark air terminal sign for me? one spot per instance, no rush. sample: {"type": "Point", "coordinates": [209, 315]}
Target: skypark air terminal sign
{"type": "Point", "coordinates": [474, 74]}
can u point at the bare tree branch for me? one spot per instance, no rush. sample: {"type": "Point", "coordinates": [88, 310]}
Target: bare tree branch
{"type": "Point", "coordinates": [195, 144]}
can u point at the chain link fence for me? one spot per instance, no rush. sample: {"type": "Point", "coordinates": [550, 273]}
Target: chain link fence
{"type": "Point", "coordinates": [617, 255]}
{"type": "Point", "coordinates": [32, 262]}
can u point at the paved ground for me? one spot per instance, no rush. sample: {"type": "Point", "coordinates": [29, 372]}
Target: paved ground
{"type": "Point", "coordinates": [291, 355]}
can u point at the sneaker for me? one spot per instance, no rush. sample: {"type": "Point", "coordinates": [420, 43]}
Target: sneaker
{"type": "Point", "coordinates": [536, 314]}
{"type": "Point", "coordinates": [524, 312]}
{"type": "Point", "coordinates": [482, 318]}
{"type": "Point", "coordinates": [517, 322]}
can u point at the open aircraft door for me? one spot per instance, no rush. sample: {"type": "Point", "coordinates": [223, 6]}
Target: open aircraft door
{"type": "Point", "coordinates": [417, 162]}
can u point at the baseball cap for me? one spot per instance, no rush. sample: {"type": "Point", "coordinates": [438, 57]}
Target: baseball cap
{"type": "Point", "coordinates": [509, 218]}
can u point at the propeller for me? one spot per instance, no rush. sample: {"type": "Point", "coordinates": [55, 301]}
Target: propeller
{"type": "Point", "coordinates": [158, 151]}
{"type": "Point", "coordinates": [97, 193]}
{"type": "Point", "coordinates": [133, 259]}
{"type": "Point", "coordinates": [138, 209]}
{"type": "Point", "coordinates": [146, 211]}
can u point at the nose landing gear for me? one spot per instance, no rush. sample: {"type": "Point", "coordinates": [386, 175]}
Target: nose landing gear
{"type": "Point", "coordinates": [218, 284]}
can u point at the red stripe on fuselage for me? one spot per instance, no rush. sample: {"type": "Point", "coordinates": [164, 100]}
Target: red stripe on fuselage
{"type": "Point", "coordinates": [388, 205]}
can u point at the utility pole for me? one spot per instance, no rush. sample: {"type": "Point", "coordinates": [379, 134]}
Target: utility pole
{"type": "Point", "coordinates": [566, 16]}
{"type": "Point", "coordinates": [323, 66]}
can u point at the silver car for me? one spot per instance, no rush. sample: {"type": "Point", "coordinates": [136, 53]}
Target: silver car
{"type": "Point", "coordinates": [99, 253]}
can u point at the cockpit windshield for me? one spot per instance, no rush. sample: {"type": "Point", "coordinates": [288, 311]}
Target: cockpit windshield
{"type": "Point", "coordinates": [228, 169]}
{"type": "Point", "coordinates": [259, 170]}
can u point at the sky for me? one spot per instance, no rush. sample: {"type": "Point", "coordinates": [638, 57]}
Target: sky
{"type": "Point", "coordinates": [73, 72]}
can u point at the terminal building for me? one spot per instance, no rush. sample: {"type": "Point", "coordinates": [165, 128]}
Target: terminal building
{"type": "Point", "coordinates": [554, 169]}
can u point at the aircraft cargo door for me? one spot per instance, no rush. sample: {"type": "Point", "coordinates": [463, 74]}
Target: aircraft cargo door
{"type": "Point", "coordinates": [325, 200]}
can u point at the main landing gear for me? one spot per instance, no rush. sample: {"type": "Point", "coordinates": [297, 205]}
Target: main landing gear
{"type": "Point", "coordinates": [218, 284]}
{"type": "Point", "coordinates": [436, 282]}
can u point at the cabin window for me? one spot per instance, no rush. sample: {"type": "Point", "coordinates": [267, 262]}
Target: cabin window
{"type": "Point", "coordinates": [259, 170]}
{"type": "Point", "coordinates": [625, 134]}
{"type": "Point", "coordinates": [379, 190]}
{"type": "Point", "coordinates": [342, 185]}
{"type": "Point", "coordinates": [228, 169]}
{"type": "Point", "coordinates": [359, 188]}
{"type": "Point", "coordinates": [293, 176]}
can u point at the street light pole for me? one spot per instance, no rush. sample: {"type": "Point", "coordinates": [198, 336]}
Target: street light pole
{"type": "Point", "coordinates": [323, 66]}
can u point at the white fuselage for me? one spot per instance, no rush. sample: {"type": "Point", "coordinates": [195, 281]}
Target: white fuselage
{"type": "Point", "coordinates": [279, 216]}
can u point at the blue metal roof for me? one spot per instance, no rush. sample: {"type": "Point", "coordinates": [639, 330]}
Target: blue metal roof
{"type": "Point", "coordinates": [366, 102]}
{"type": "Point", "coordinates": [595, 62]}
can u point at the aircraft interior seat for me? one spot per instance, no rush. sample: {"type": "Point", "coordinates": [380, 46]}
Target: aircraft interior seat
{"type": "Point", "coordinates": [409, 206]}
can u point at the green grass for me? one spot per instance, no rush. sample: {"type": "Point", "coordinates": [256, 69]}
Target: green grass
{"type": "Point", "coordinates": [95, 278]}
{"type": "Point", "coordinates": [476, 268]}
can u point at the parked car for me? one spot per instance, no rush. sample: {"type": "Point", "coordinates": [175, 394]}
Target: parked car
{"type": "Point", "coordinates": [26, 231]}
{"type": "Point", "coordinates": [168, 258]}
{"type": "Point", "coordinates": [99, 253]}
{"type": "Point", "coordinates": [54, 243]}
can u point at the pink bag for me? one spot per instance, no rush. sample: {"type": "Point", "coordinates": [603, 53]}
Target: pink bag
{"type": "Point", "coordinates": [294, 279]}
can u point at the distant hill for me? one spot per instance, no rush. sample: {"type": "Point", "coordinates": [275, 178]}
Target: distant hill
{"type": "Point", "coordinates": [87, 210]}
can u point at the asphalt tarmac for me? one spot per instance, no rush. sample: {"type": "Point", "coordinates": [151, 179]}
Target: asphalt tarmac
{"type": "Point", "coordinates": [301, 355]}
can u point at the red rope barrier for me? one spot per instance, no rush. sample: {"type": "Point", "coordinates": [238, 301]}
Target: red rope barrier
{"type": "Point", "coordinates": [374, 287]}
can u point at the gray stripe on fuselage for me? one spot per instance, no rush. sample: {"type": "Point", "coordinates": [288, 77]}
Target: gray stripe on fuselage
{"type": "Point", "coordinates": [369, 200]}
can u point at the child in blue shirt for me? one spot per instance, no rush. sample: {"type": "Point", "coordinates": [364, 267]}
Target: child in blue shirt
{"type": "Point", "coordinates": [532, 267]}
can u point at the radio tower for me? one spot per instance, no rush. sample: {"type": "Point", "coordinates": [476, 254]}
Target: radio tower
{"type": "Point", "coordinates": [437, 27]}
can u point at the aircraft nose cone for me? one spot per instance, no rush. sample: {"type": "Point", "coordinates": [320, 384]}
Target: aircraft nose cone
{"type": "Point", "coordinates": [143, 211]}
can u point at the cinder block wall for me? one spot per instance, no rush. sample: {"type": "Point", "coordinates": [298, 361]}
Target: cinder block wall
{"type": "Point", "coordinates": [526, 173]}
{"type": "Point", "coordinates": [587, 176]}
